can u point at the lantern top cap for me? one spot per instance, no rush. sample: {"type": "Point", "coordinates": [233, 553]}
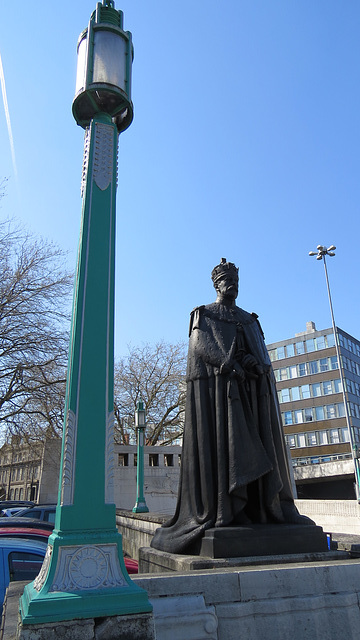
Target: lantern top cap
{"type": "Point", "coordinates": [140, 405]}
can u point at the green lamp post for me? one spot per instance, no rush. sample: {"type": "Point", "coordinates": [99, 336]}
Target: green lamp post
{"type": "Point", "coordinates": [140, 424]}
{"type": "Point", "coordinates": [84, 575]}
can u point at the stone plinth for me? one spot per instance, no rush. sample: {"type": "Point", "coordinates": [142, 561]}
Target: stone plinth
{"type": "Point", "coordinates": [262, 540]}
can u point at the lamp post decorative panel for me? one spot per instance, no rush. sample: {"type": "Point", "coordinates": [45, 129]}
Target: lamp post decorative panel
{"type": "Point", "coordinates": [84, 575]}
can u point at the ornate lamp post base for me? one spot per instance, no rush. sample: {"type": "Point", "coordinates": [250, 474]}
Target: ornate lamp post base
{"type": "Point", "coordinates": [83, 578]}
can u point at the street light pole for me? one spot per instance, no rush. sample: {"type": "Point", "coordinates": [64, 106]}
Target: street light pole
{"type": "Point", "coordinates": [84, 574]}
{"type": "Point", "coordinates": [321, 254]}
{"type": "Point", "coordinates": [140, 424]}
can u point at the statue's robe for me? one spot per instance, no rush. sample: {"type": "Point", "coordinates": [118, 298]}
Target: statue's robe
{"type": "Point", "coordinates": [234, 467]}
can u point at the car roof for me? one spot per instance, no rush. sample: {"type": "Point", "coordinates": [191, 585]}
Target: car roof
{"type": "Point", "coordinates": [14, 521]}
{"type": "Point", "coordinates": [22, 544]}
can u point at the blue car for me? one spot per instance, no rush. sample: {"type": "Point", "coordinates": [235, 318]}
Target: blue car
{"type": "Point", "coordinates": [20, 559]}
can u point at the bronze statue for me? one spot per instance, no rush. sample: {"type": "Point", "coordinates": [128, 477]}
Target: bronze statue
{"type": "Point", "coordinates": [234, 468]}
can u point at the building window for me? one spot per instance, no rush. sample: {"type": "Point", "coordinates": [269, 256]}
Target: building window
{"type": "Point", "coordinates": [291, 441]}
{"type": "Point", "coordinates": [299, 418]}
{"type": "Point", "coordinates": [280, 353]}
{"type": "Point", "coordinates": [334, 362]}
{"type": "Point", "coordinates": [327, 388]}
{"type": "Point", "coordinates": [310, 345]}
{"type": "Point", "coordinates": [301, 440]}
{"type": "Point", "coordinates": [300, 348]}
{"type": "Point", "coordinates": [153, 459]}
{"type": "Point", "coordinates": [334, 436]}
{"type": "Point", "coordinates": [123, 460]}
{"type": "Point", "coordinates": [330, 411]}
{"type": "Point", "coordinates": [323, 437]}
{"type": "Point", "coordinates": [320, 343]}
{"type": "Point", "coordinates": [168, 460]}
{"type": "Point", "coordinates": [308, 414]}
{"type": "Point", "coordinates": [293, 372]}
{"type": "Point", "coordinates": [285, 395]}
{"type": "Point", "coordinates": [311, 438]}
{"type": "Point", "coordinates": [316, 389]}
{"type": "Point", "coordinates": [302, 369]}
{"type": "Point", "coordinates": [330, 340]}
{"type": "Point", "coordinates": [305, 391]}
{"type": "Point", "coordinates": [324, 365]}
{"type": "Point", "coordinates": [314, 366]}
{"type": "Point", "coordinates": [295, 393]}
{"type": "Point", "coordinates": [288, 417]}
{"type": "Point", "coordinates": [290, 352]}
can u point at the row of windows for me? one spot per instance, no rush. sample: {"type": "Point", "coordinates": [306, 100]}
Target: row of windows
{"type": "Point", "coordinates": [19, 494]}
{"type": "Point", "coordinates": [306, 391]}
{"type": "Point", "coordinates": [352, 387]}
{"type": "Point", "coordinates": [354, 410]}
{"type": "Point", "coordinates": [348, 344]}
{"type": "Point", "coordinates": [302, 346]}
{"type": "Point", "coordinates": [311, 414]}
{"type": "Point", "coordinates": [351, 365]}
{"type": "Point", "coordinates": [18, 474]}
{"type": "Point", "coordinates": [306, 368]}
{"type": "Point", "coordinates": [317, 438]}
{"type": "Point", "coordinates": [304, 460]}
{"type": "Point", "coordinates": [124, 459]}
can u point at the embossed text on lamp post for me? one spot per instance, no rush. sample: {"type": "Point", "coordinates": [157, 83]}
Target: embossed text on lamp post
{"type": "Point", "coordinates": [84, 575]}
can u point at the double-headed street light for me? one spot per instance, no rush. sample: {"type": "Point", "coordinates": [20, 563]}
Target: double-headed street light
{"type": "Point", "coordinates": [321, 254]}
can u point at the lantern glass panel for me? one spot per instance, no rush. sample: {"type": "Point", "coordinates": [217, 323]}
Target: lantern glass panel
{"type": "Point", "coordinates": [81, 66]}
{"type": "Point", "coordinates": [109, 58]}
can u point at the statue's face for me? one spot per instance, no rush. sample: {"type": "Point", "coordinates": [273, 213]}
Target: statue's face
{"type": "Point", "coordinates": [228, 285]}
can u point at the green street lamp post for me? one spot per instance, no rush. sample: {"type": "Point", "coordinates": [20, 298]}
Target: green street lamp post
{"type": "Point", "coordinates": [84, 575]}
{"type": "Point", "coordinates": [140, 424]}
{"type": "Point", "coordinates": [321, 254]}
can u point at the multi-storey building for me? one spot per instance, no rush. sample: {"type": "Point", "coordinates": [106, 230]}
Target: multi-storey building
{"type": "Point", "coordinates": [30, 471]}
{"type": "Point", "coordinates": [312, 406]}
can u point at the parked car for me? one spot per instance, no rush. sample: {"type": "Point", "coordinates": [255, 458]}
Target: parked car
{"type": "Point", "coordinates": [45, 512]}
{"type": "Point", "coordinates": [34, 523]}
{"type": "Point", "coordinates": [20, 559]}
{"type": "Point", "coordinates": [20, 504]}
{"type": "Point", "coordinates": [31, 533]}
{"type": "Point", "coordinates": [11, 511]}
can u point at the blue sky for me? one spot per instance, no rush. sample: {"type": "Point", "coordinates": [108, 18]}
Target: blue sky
{"type": "Point", "coordinates": [245, 144]}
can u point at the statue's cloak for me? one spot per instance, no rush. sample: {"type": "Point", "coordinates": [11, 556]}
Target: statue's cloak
{"type": "Point", "coordinates": [234, 466]}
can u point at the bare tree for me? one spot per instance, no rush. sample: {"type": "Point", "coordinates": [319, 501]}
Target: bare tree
{"type": "Point", "coordinates": [34, 312]}
{"type": "Point", "coordinates": [156, 374]}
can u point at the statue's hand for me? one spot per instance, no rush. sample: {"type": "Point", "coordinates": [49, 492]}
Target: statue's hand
{"type": "Point", "coordinates": [249, 362]}
{"type": "Point", "coordinates": [238, 372]}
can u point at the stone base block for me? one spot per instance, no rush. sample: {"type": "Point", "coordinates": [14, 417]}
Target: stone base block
{"type": "Point", "coordinates": [132, 627]}
{"type": "Point", "coordinates": [263, 540]}
{"type": "Point", "coordinates": [154, 561]}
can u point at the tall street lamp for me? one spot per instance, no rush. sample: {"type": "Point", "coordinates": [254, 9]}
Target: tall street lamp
{"type": "Point", "coordinates": [140, 424]}
{"type": "Point", "coordinates": [320, 255]}
{"type": "Point", "coordinates": [84, 575]}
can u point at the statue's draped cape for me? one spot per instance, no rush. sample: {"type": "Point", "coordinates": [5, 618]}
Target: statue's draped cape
{"type": "Point", "coordinates": [234, 467]}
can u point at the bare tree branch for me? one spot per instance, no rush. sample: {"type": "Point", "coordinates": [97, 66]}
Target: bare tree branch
{"type": "Point", "coordinates": [156, 374]}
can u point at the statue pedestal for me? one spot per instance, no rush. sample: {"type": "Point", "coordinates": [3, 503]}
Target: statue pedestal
{"type": "Point", "coordinates": [262, 540]}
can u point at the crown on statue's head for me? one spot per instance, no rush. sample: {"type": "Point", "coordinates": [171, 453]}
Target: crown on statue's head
{"type": "Point", "coordinates": [222, 268]}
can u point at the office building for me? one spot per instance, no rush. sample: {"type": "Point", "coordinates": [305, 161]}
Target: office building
{"type": "Point", "coordinates": [313, 413]}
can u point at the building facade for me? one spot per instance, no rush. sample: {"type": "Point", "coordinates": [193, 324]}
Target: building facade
{"type": "Point", "coordinates": [30, 471]}
{"type": "Point", "coordinates": [313, 412]}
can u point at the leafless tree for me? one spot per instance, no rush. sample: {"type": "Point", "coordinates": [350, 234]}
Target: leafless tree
{"type": "Point", "coordinates": [34, 312]}
{"type": "Point", "coordinates": [155, 374]}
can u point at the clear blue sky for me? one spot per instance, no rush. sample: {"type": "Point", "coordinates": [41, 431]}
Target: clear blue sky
{"type": "Point", "coordinates": [245, 144]}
